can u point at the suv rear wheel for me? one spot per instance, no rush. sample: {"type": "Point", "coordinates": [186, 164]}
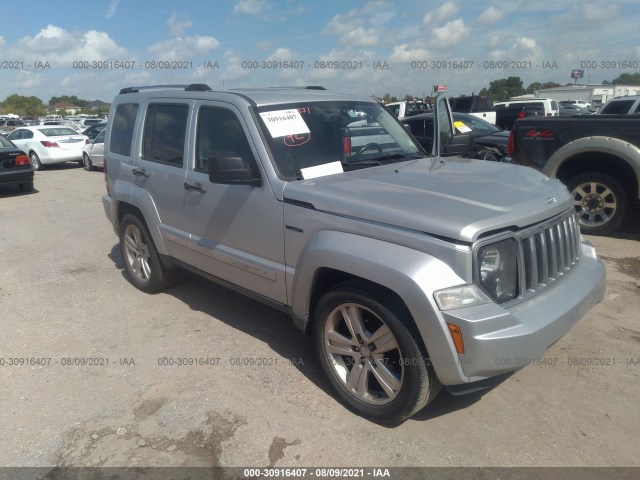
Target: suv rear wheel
{"type": "Point", "coordinates": [369, 354]}
{"type": "Point", "coordinates": [142, 262]}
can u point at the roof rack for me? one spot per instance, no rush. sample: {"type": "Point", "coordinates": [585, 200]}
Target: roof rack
{"type": "Point", "coordinates": [193, 87]}
{"type": "Point", "coordinates": [308, 87]}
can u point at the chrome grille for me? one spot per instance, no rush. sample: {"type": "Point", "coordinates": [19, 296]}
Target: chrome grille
{"type": "Point", "coordinates": [549, 251]}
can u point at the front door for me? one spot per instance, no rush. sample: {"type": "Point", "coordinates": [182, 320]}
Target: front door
{"type": "Point", "coordinates": [236, 230]}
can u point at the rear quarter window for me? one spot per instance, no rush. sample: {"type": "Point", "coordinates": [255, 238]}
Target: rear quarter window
{"type": "Point", "coordinates": [122, 128]}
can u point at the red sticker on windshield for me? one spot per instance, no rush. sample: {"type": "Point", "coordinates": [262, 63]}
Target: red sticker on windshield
{"type": "Point", "coordinates": [297, 139]}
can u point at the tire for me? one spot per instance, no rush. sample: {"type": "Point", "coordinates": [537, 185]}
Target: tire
{"type": "Point", "coordinates": [35, 161]}
{"type": "Point", "coordinates": [81, 163]}
{"type": "Point", "coordinates": [600, 202]}
{"type": "Point", "coordinates": [143, 265]}
{"type": "Point", "coordinates": [88, 165]}
{"type": "Point", "coordinates": [26, 186]}
{"type": "Point", "coordinates": [392, 384]}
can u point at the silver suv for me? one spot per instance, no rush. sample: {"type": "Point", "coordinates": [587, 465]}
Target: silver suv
{"type": "Point", "coordinates": [412, 269]}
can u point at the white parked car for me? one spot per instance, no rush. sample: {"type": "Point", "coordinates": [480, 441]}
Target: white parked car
{"type": "Point", "coordinates": [93, 152]}
{"type": "Point", "coordinates": [49, 144]}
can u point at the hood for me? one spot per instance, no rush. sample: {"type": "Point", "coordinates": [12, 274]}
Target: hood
{"type": "Point", "coordinates": [460, 200]}
{"type": "Point", "coordinates": [499, 138]}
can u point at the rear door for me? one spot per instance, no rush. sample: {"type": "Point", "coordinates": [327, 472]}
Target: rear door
{"type": "Point", "coordinates": [160, 168]}
{"type": "Point", "coordinates": [21, 137]}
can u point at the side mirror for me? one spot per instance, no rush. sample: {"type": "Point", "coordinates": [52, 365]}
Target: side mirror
{"type": "Point", "coordinates": [460, 144]}
{"type": "Point", "coordinates": [231, 171]}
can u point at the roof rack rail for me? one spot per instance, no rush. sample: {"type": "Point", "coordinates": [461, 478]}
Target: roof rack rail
{"type": "Point", "coordinates": [193, 87]}
{"type": "Point", "coordinates": [308, 87]}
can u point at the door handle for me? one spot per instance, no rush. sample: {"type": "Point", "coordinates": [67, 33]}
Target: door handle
{"type": "Point", "coordinates": [141, 172]}
{"type": "Point", "coordinates": [194, 188]}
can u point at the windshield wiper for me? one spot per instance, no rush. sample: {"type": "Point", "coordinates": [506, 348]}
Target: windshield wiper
{"type": "Point", "coordinates": [383, 158]}
{"type": "Point", "coordinates": [363, 162]}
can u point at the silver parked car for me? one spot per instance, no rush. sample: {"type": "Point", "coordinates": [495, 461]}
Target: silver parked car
{"type": "Point", "coordinates": [93, 152]}
{"type": "Point", "coordinates": [411, 269]}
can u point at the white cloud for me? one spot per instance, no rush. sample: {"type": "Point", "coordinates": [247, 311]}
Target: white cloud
{"type": "Point", "coordinates": [403, 54]}
{"type": "Point", "coordinates": [360, 37]}
{"type": "Point", "coordinates": [352, 27]}
{"type": "Point", "coordinates": [453, 33]}
{"type": "Point", "coordinates": [176, 27]}
{"type": "Point", "coordinates": [446, 10]}
{"type": "Point", "coordinates": [525, 43]}
{"type": "Point", "coordinates": [111, 9]}
{"type": "Point", "coordinates": [183, 48]}
{"type": "Point", "coordinates": [234, 70]}
{"type": "Point", "coordinates": [61, 47]}
{"type": "Point", "coordinates": [342, 23]}
{"type": "Point", "coordinates": [251, 7]}
{"type": "Point", "coordinates": [2, 42]}
{"type": "Point", "coordinates": [379, 12]}
{"type": "Point", "coordinates": [495, 41]}
{"type": "Point", "coordinates": [491, 15]}
{"type": "Point", "coordinates": [282, 54]}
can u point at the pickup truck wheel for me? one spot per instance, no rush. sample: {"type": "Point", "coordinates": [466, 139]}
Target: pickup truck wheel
{"type": "Point", "coordinates": [600, 202]}
{"type": "Point", "coordinates": [142, 262]}
{"type": "Point", "coordinates": [370, 356]}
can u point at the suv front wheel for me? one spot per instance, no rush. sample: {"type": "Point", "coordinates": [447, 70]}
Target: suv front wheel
{"type": "Point", "coordinates": [370, 356]}
{"type": "Point", "coordinates": [142, 263]}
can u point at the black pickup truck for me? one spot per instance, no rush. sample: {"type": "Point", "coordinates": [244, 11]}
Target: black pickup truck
{"type": "Point", "coordinates": [597, 157]}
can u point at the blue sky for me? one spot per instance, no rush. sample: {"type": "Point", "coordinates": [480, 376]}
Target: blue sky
{"type": "Point", "coordinates": [461, 43]}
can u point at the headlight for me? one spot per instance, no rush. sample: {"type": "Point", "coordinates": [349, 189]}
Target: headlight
{"type": "Point", "coordinates": [498, 270]}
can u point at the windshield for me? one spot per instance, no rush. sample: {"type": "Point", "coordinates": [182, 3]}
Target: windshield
{"type": "Point", "coordinates": [346, 135]}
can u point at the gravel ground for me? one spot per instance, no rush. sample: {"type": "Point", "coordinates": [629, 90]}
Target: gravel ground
{"type": "Point", "coordinates": [63, 297]}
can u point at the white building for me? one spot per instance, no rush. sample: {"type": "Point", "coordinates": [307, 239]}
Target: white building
{"type": "Point", "coordinates": [596, 95]}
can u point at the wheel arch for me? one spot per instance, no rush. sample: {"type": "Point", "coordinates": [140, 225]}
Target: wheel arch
{"type": "Point", "coordinates": [606, 155]}
{"type": "Point", "coordinates": [141, 204]}
{"type": "Point", "coordinates": [406, 275]}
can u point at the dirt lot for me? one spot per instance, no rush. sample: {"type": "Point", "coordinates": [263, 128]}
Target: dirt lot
{"type": "Point", "coordinates": [63, 297]}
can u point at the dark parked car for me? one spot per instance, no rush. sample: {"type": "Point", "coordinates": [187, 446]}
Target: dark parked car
{"type": "Point", "coordinates": [489, 141]}
{"type": "Point", "coordinates": [11, 124]}
{"type": "Point", "coordinates": [93, 131]}
{"type": "Point", "coordinates": [565, 110]}
{"type": "Point", "coordinates": [15, 167]}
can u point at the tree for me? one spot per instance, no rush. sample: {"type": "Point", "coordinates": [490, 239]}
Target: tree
{"type": "Point", "coordinates": [70, 99]}
{"type": "Point", "coordinates": [21, 105]}
{"type": "Point", "coordinates": [539, 86]}
{"type": "Point", "coordinates": [627, 79]}
{"type": "Point", "coordinates": [388, 98]}
{"type": "Point", "coordinates": [504, 88]}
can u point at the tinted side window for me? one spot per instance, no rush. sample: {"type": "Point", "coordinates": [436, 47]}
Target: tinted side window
{"type": "Point", "coordinates": [637, 110]}
{"type": "Point", "coordinates": [220, 134]}
{"type": "Point", "coordinates": [164, 133]}
{"type": "Point", "coordinates": [618, 107]}
{"type": "Point", "coordinates": [122, 128]}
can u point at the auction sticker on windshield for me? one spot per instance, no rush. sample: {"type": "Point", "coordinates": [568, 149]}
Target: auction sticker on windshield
{"type": "Point", "coordinates": [284, 122]}
{"type": "Point", "coordinates": [461, 127]}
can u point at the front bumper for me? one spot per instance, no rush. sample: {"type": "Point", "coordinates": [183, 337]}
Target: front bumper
{"type": "Point", "coordinates": [498, 340]}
